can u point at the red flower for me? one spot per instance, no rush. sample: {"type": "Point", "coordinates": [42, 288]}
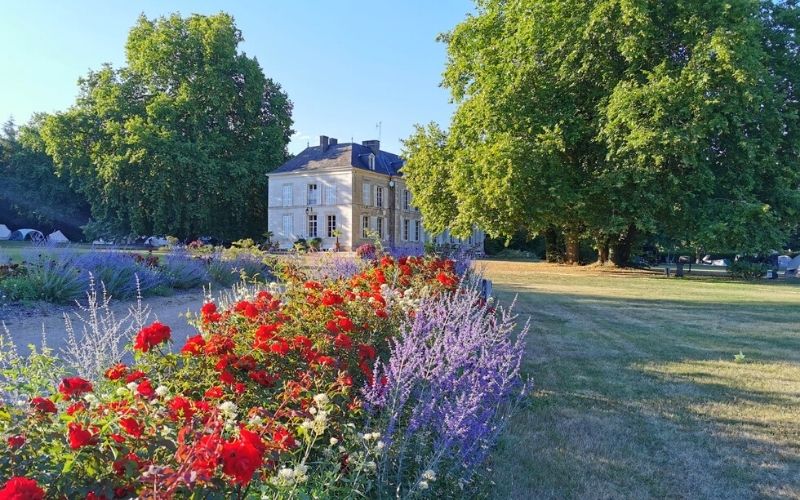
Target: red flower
{"type": "Point", "coordinates": [15, 441]}
{"type": "Point", "coordinates": [132, 427]}
{"type": "Point", "coordinates": [94, 496]}
{"type": "Point", "coordinates": [366, 352]}
{"type": "Point", "coordinates": [214, 392]}
{"type": "Point", "coordinates": [446, 280]}
{"type": "Point", "coordinates": [134, 376]}
{"type": "Point", "coordinates": [240, 460]}
{"type": "Point", "coordinates": [194, 345]}
{"type": "Point", "coordinates": [330, 298]}
{"type": "Point", "coordinates": [381, 313]}
{"type": "Point", "coordinates": [76, 408]}
{"type": "Point", "coordinates": [264, 334]}
{"type": "Point", "coordinates": [331, 326]}
{"type": "Point", "coordinates": [43, 405]}
{"type": "Point", "coordinates": [180, 408]}
{"type": "Point", "coordinates": [21, 488]}
{"type": "Point", "coordinates": [283, 438]}
{"type": "Point", "coordinates": [219, 344]}
{"type": "Point", "coordinates": [247, 309]}
{"type": "Point", "coordinates": [263, 378]}
{"type": "Point", "coordinates": [226, 377]}
{"type": "Point", "coordinates": [346, 324]}
{"type": "Point", "coordinates": [150, 336]}
{"type": "Point", "coordinates": [343, 341]}
{"type": "Point", "coordinates": [74, 386]}
{"type": "Point", "coordinates": [301, 342]}
{"type": "Point", "coordinates": [145, 389]}
{"type": "Point", "coordinates": [280, 346]}
{"type": "Point", "coordinates": [116, 372]}
{"type": "Point", "coordinates": [79, 436]}
{"type": "Point", "coordinates": [313, 285]}
{"type": "Point", "coordinates": [208, 308]}
{"type": "Point", "coordinates": [130, 462]}
{"type": "Point", "coordinates": [325, 360]}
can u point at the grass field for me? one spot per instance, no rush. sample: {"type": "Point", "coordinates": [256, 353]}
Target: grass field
{"type": "Point", "coordinates": [637, 393]}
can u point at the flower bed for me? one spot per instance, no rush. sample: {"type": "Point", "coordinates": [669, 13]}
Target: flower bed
{"type": "Point", "coordinates": [394, 381]}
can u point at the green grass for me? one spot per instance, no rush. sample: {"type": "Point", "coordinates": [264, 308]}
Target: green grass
{"type": "Point", "coordinates": [637, 393]}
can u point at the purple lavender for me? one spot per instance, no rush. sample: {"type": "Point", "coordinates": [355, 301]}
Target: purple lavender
{"type": "Point", "coordinates": [451, 380]}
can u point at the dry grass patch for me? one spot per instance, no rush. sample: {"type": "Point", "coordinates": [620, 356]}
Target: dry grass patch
{"type": "Point", "coordinates": [637, 391]}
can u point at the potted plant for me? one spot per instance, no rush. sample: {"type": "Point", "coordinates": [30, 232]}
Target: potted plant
{"type": "Point", "coordinates": [336, 233]}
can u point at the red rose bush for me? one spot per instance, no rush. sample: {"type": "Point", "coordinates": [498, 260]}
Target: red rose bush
{"type": "Point", "coordinates": [281, 393]}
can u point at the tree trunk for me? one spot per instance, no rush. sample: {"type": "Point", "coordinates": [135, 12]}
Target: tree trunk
{"type": "Point", "coordinates": [603, 247]}
{"type": "Point", "coordinates": [553, 251]}
{"type": "Point", "coordinates": [621, 255]}
{"type": "Point", "coordinates": [573, 251]}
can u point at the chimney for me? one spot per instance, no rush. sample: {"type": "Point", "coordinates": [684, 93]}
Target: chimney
{"type": "Point", "coordinates": [323, 142]}
{"type": "Point", "coordinates": [374, 145]}
{"type": "Point", "coordinates": [333, 141]}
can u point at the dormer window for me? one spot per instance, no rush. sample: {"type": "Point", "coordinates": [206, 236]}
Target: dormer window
{"type": "Point", "coordinates": [371, 160]}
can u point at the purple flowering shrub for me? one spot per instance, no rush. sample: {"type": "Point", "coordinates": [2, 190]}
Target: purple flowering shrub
{"type": "Point", "coordinates": [118, 272]}
{"type": "Point", "coordinates": [449, 385]}
{"type": "Point", "coordinates": [183, 271]}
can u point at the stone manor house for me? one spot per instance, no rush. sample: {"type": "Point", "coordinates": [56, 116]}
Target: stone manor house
{"type": "Point", "coordinates": [356, 189]}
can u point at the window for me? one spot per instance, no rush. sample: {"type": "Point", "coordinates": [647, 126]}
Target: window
{"type": "Point", "coordinates": [379, 196]}
{"type": "Point", "coordinates": [371, 161]}
{"type": "Point", "coordinates": [313, 195]}
{"type": "Point", "coordinates": [379, 226]}
{"type": "Point", "coordinates": [331, 226]}
{"type": "Point", "coordinates": [365, 226]}
{"type": "Point", "coordinates": [406, 200]}
{"type": "Point", "coordinates": [287, 195]}
{"type": "Point", "coordinates": [417, 230]}
{"type": "Point", "coordinates": [330, 195]}
{"type": "Point", "coordinates": [312, 226]}
{"type": "Point", "coordinates": [406, 226]}
{"type": "Point", "coordinates": [366, 189]}
{"type": "Point", "coordinates": [287, 226]}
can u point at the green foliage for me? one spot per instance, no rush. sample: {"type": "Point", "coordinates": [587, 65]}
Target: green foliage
{"type": "Point", "coordinates": [178, 140]}
{"type": "Point", "coordinates": [610, 120]}
{"type": "Point", "coordinates": [745, 270]}
{"type": "Point", "coordinates": [31, 192]}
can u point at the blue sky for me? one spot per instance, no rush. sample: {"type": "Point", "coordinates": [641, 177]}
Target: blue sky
{"type": "Point", "coordinates": [346, 65]}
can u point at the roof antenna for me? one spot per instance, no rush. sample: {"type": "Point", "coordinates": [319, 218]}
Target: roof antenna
{"type": "Point", "coordinates": [379, 126]}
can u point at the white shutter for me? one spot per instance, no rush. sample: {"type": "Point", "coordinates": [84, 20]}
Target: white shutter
{"type": "Point", "coordinates": [330, 195]}
{"type": "Point", "coordinates": [287, 195]}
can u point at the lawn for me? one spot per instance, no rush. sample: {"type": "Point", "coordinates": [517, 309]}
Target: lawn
{"type": "Point", "coordinates": [636, 390]}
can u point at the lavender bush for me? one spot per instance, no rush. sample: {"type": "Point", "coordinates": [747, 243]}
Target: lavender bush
{"type": "Point", "coordinates": [183, 271]}
{"type": "Point", "coordinates": [119, 271]}
{"type": "Point", "coordinates": [451, 381]}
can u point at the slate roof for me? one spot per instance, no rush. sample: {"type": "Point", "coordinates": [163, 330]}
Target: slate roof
{"type": "Point", "coordinates": [342, 155]}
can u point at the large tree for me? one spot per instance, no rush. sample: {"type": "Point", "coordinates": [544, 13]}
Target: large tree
{"type": "Point", "coordinates": [31, 194]}
{"type": "Point", "coordinates": [607, 119]}
{"type": "Point", "coordinates": [180, 139]}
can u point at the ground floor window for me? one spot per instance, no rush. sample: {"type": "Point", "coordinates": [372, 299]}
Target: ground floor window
{"type": "Point", "coordinates": [379, 226]}
{"type": "Point", "coordinates": [417, 230]}
{"type": "Point", "coordinates": [331, 225]}
{"type": "Point", "coordinates": [365, 226]}
{"type": "Point", "coordinates": [287, 226]}
{"type": "Point", "coordinates": [406, 232]}
{"type": "Point", "coordinates": [312, 226]}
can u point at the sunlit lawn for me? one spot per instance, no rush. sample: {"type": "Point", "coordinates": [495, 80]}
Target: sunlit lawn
{"type": "Point", "coordinates": [637, 392]}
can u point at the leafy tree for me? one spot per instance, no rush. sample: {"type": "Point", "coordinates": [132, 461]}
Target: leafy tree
{"type": "Point", "coordinates": [179, 140]}
{"type": "Point", "coordinates": [31, 194]}
{"type": "Point", "coordinates": [609, 120]}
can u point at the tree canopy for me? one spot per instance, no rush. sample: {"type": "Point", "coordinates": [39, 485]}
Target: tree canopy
{"type": "Point", "coordinates": [608, 119]}
{"type": "Point", "coordinates": [179, 140]}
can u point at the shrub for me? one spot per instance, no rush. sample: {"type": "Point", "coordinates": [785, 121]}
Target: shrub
{"type": "Point", "coordinates": [315, 243]}
{"type": "Point", "coordinates": [267, 399]}
{"type": "Point", "coordinates": [746, 270]}
{"type": "Point", "coordinates": [366, 251]}
{"type": "Point", "coordinates": [182, 271]}
{"type": "Point", "coordinates": [118, 272]}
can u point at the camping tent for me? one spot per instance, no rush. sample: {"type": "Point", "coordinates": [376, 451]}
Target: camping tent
{"type": "Point", "coordinates": [793, 264]}
{"type": "Point", "coordinates": [57, 237]}
{"type": "Point", "coordinates": [27, 234]}
{"type": "Point", "coordinates": [4, 232]}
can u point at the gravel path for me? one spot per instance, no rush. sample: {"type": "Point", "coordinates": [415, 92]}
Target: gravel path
{"type": "Point", "coordinates": [25, 323]}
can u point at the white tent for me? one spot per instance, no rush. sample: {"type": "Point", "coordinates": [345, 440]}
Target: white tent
{"type": "Point", "coordinates": [57, 237]}
{"type": "Point", "coordinates": [27, 235]}
{"type": "Point", "coordinates": [793, 264]}
{"type": "Point", "coordinates": [4, 232]}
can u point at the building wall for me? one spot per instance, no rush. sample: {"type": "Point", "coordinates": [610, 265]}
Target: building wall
{"type": "Point", "coordinates": [296, 206]}
{"type": "Point", "coordinates": [349, 206]}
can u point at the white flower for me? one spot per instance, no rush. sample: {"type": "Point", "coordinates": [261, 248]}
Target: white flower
{"type": "Point", "coordinates": [300, 473]}
{"type": "Point", "coordinates": [379, 445]}
{"type": "Point", "coordinates": [312, 410]}
{"type": "Point", "coordinates": [228, 408]}
{"type": "Point", "coordinates": [334, 441]}
{"type": "Point", "coordinates": [371, 465]}
{"type": "Point", "coordinates": [256, 420]}
{"type": "Point", "coordinates": [132, 386]}
{"type": "Point", "coordinates": [429, 475]}
{"type": "Point", "coordinates": [91, 399]}
{"type": "Point", "coordinates": [162, 390]}
{"type": "Point", "coordinates": [286, 473]}
{"type": "Point", "coordinates": [321, 399]}
{"type": "Point", "coordinates": [423, 485]}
